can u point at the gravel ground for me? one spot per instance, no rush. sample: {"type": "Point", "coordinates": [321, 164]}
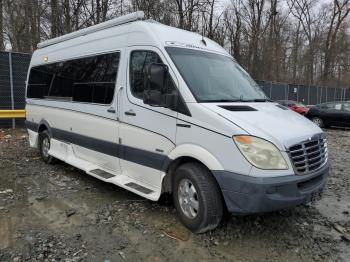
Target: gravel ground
{"type": "Point", "coordinates": [58, 213]}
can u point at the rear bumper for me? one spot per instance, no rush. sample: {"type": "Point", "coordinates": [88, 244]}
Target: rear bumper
{"type": "Point", "coordinates": [248, 195]}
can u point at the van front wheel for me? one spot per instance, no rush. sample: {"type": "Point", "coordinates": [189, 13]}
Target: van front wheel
{"type": "Point", "coordinates": [44, 147]}
{"type": "Point", "coordinates": [197, 198]}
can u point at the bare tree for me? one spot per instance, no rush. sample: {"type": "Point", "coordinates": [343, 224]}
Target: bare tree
{"type": "Point", "coordinates": [2, 43]}
{"type": "Point", "coordinates": [303, 41]}
{"type": "Point", "coordinates": [340, 11]}
{"type": "Point", "coordinates": [312, 24]}
{"type": "Point", "coordinates": [233, 24]}
{"type": "Point", "coordinates": [55, 22]}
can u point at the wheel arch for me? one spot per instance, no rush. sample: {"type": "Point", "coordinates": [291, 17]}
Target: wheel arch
{"type": "Point", "coordinates": [184, 154]}
{"type": "Point", "coordinates": [44, 125]}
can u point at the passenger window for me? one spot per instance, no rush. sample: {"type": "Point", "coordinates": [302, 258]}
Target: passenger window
{"type": "Point", "coordinates": [95, 79]}
{"type": "Point", "coordinates": [90, 79]}
{"type": "Point", "coordinates": [139, 60]}
{"type": "Point", "coordinates": [328, 106]}
{"type": "Point", "coordinates": [346, 107]}
{"type": "Point", "coordinates": [39, 81]}
{"type": "Point", "coordinates": [337, 107]}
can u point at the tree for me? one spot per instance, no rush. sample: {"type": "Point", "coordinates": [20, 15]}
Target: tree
{"type": "Point", "coordinates": [312, 25]}
{"type": "Point", "coordinates": [2, 43]}
{"type": "Point", "coordinates": [301, 41]}
{"type": "Point", "coordinates": [339, 13]}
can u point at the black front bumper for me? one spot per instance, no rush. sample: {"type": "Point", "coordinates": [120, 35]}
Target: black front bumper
{"type": "Point", "coordinates": [248, 195]}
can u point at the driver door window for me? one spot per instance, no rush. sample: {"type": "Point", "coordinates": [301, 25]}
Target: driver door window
{"type": "Point", "coordinates": [139, 61]}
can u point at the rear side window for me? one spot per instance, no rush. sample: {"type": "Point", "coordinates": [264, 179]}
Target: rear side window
{"type": "Point", "coordinates": [39, 81]}
{"type": "Point", "coordinates": [90, 79]}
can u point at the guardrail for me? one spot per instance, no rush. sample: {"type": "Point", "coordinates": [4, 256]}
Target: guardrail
{"type": "Point", "coordinates": [11, 114]}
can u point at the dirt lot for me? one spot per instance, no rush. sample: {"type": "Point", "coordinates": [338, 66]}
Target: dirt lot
{"type": "Point", "coordinates": [58, 213]}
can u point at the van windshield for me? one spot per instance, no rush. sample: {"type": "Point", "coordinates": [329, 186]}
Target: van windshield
{"type": "Point", "coordinates": [215, 78]}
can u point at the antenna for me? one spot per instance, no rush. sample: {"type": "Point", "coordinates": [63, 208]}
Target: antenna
{"type": "Point", "coordinates": [139, 15]}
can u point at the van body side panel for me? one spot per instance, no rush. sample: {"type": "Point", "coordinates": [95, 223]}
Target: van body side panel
{"type": "Point", "coordinates": [33, 137]}
{"type": "Point", "coordinates": [144, 153]}
{"type": "Point", "coordinates": [89, 134]}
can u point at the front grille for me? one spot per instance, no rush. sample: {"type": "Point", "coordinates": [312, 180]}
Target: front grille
{"type": "Point", "coordinates": [309, 156]}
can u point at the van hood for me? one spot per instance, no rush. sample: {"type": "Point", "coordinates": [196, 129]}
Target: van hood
{"type": "Point", "coordinates": [270, 121]}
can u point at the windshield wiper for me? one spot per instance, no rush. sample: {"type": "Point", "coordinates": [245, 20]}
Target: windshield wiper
{"type": "Point", "coordinates": [221, 100]}
{"type": "Point", "coordinates": [237, 100]}
{"type": "Point", "coordinates": [257, 100]}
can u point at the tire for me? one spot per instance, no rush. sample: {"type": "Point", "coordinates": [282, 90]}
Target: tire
{"type": "Point", "coordinates": [207, 198]}
{"type": "Point", "coordinates": [318, 121]}
{"type": "Point", "coordinates": [44, 137]}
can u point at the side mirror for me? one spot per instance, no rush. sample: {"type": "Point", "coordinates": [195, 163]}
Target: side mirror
{"type": "Point", "coordinates": [153, 98]}
{"type": "Point", "coordinates": [155, 85]}
{"type": "Point", "coordinates": [171, 100]}
{"type": "Point", "coordinates": [157, 76]}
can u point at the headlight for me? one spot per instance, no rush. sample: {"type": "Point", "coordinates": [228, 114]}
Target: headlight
{"type": "Point", "coordinates": [260, 153]}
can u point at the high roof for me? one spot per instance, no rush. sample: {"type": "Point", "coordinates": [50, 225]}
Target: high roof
{"type": "Point", "coordinates": [119, 33]}
{"type": "Point", "coordinates": [139, 15]}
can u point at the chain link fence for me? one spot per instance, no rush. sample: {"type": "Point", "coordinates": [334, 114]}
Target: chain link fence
{"type": "Point", "coordinates": [308, 94]}
{"type": "Point", "coordinates": [13, 74]}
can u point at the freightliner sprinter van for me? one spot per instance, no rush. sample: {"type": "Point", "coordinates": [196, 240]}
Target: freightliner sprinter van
{"type": "Point", "coordinates": [156, 109]}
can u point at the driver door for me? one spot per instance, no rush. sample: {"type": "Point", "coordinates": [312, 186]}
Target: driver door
{"type": "Point", "coordinates": [147, 133]}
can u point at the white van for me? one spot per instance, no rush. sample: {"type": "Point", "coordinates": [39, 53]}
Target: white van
{"type": "Point", "coordinates": [156, 109]}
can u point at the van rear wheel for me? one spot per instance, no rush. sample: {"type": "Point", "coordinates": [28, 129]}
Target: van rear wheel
{"type": "Point", "coordinates": [44, 147]}
{"type": "Point", "coordinates": [197, 198]}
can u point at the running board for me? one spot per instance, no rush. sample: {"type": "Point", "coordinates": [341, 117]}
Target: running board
{"type": "Point", "coordinates": [101, 173]}
{"type": "Point", "coordinates": [64, 152]}
{"type": "Point", "coordinates": [140, 188]}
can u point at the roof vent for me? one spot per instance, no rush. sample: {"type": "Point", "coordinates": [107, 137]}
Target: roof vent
{"type": "Point", "coordinates": [239, 108]}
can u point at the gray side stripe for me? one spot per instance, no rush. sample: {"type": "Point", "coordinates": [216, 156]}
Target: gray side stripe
{"type": "Point", "coordinates": [32, 126]}
{"type": "Point", "coordinates": [135, 155]}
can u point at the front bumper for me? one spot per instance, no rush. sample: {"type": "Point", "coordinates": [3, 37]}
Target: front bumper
{"type": "Point", "coordinates": [248, 195]}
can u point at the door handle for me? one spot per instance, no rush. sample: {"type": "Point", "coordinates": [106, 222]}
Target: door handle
{"type": "Point", "coordinates": [111, 110]}
{"type": "Point", "coordinates": [130, 113]}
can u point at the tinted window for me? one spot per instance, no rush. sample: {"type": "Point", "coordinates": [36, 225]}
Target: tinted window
{"type": "Point", "coordinates": [338, 106]}
{"type": "Point", "coordinates": [40, 81]}
{"type": "Point", "coordinates": [90, 79]}
{"type": "Point", "coordinates": [213, 77]}
{"type": "Point", "coordinates": [139, 61]}
{"type": "Point", "coordinates": [346, 107]}
{"type": "Point", "coordinates": [330, 106]}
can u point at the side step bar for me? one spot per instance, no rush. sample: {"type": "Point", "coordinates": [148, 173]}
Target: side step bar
{"type": "Point", "coordinates": [102, 173]}
{"type": "Point", "coordinates": [106, 175]}
{"type": "Point", "coordinates": [140, 188]}
{"type": "Point", "coordinates": [64, 152]}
